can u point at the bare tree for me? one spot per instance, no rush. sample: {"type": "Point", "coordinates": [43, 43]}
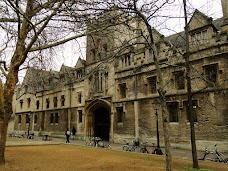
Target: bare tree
{"type": "Point", "coordinates": [143, 13]}
{"type": "Point", "coordinates": [34, 25]}
{"type": "Point", "coordinates": [189, 87]}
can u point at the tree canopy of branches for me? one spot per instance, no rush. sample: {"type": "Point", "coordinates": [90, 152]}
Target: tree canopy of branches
{"type": "Point", "coordinates": [28, 27]}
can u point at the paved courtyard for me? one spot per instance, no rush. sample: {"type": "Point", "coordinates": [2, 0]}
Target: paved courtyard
{"type": "Point", "coordinates": [176, 153]}
{"type": "Point", "coordinates": [26, 154]}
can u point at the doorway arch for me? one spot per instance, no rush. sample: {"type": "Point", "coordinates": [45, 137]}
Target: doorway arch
{"type": "Point", "coordinates": [98, 119]}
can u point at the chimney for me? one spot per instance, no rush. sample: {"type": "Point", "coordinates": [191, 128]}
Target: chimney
{"type": "Point", "coordinates": [225, 11]}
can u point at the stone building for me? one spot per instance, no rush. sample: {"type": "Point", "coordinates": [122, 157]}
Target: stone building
{"type": "Point", "coordinates": [111, 94]}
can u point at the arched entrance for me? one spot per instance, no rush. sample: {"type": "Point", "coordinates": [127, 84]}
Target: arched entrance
{"type": "Point", "coordinates": [98, 119]}
{"type": "Point", "coordinates": [101, 123]}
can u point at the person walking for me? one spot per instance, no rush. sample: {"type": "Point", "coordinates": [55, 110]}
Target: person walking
{"type": "Point", "coordinates": [67, 133]}
{"type": "Point", "coordinates": [74, 133]}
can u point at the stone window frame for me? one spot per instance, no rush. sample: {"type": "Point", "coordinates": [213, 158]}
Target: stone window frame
{"type": "Point", "coordinates": [21, 103]}
{"type": "Point", "coordinates": [19, 119]}
{"type": "Point", "coordinates": [79, 97]}
{"type": "Point", "coordinates": [79, 73]}
{"type": "Point", "coordinates": [62, 78]}
{"type": "Point", "coordinates": [47, 103]}
{"type": "Point", "coordinates": [98, 81]}
{"type": "Point", "coordinates": [54, 118]}
{"type": "Point", "coordinates": [27, 118]}
{"type": "Point", "coordinates": [173, 111]}
{"type": "Point", "coordinates": [62, 100]}
{"type": "Point", "coordinates": [152, 84]}
{"type": "Point", "coordinates": [200, 38]}
{"type": "Point", "coordinates": [126, 60]}
{"type": "Point", "coordinates": [80, 113]}
{"type": "Point", "coordinates": [123, 90]}
{"type": "Point", "coordinates": [37, 104]}
{"type": "Point", "coordinates": [55, 101]}
{"type": "Point", "coordinates": [35, 118]}
{"type": "Point", "coordinates": [179, 79]}
{"type": "Point", "coordinates": [29, 102]}
{"type": "Point", "coordinates": [207, 69]}
{"type": "Point", "coordinates": [120, 114]}
{"type": "Point", "coordinates": [51, 118]}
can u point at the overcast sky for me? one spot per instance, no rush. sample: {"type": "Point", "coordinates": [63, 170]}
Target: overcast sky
{"type": "Point", "coordinates": [211, 8]}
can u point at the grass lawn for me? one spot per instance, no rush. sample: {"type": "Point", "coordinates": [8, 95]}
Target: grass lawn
{"type": "Point", "coordinates": [73, 157]}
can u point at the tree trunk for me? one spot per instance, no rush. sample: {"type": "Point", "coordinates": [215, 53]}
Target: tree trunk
{"type": "Point", "coordinates": [3, 133]}
{"type": "Point", "coordinates": [166, 136]}
{"type": "Point", "coordinates": [189, 91]}
{"type": "Point", "coordinates": [164, 116]}
{"type": "Point", "coordinates": [6, 98]}
{"type": "Point", "coordinates": [162, 97]}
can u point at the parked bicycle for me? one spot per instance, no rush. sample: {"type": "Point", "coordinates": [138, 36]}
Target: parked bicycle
{"type": "Point", "coordinates": [133, 148]}
{"type": "Point", "coordinates": [147, 149]}
{"type": "Point", "coordinates": [98, 142]}
{"type": "Point", "coordinates": [215, 156]}
{"type": "Point", "coordinates": [104, 144]}
{"type": "Point", "coordinates": [90, 142]}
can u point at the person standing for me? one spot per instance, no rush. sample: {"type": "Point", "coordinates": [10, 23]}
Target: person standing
{"type": "Point", "coordinates": [74, 133]}
{"type": "Point", "coordinates": [67, 133]}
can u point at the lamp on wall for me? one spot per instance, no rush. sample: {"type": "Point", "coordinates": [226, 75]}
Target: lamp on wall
{"type": "Point", "coordinates": [156, 106]}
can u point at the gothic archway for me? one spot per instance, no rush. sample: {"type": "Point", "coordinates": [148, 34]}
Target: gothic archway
{"type": "Point", "coordinates": [98, 119]}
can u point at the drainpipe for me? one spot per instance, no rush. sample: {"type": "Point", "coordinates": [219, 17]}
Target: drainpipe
{"type": "Point", "coordinates": [136, 108]}
{"type": "Point", "coordinates": [69, 111]}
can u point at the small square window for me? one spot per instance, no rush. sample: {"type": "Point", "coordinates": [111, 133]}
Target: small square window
{"type": "Point", "coordinates": [19, 119]}
{"type": "Point", "coordinates": [29, 101]}
{"type": "Point", "coordinates": [51, 118]}
{"type": "Point", "coordinates": [211, 74]}
{"type": "Point", "coordinates": [56, 118]}
{"type": "Point", "coordinates": [47, 103]}
{"type": "Point", "coordinates": [62, 100]}
{"type": "Point", "coordinates": [179, 80]}
{"type": "Point", "coordinates": [55, 100]}
{"type": "Point", "coordinates": [79, 97]}
{"type": "Point", "coordinates": [152, 82]}
{"type": "Point", "coordinates": [27, 118]}
{"type": "Point", "coordinates": [173, 111]}
{"type": "Point", "coordinates": [37, 104]}
{"type": "Point", "coordinates": [21, 104]}
{"type": "Point", "coordinates": [80, 116]}
{"type": "Point", "coordinates": [122, 88]}
{"type": "Point", "coordinates": [120, 114]}
{"type": "Point", "coordinates": [35, 118]}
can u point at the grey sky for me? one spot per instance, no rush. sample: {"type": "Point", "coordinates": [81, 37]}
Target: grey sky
{"type": "Point", "coordinates": [166, 26]}
{"type": "Point", "coordinates": [68, 53]}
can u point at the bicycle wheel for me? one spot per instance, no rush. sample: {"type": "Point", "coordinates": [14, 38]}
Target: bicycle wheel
{"type": "Point", "coordinates": [109, 146]}
{"type": "Point", "coordinates": [88, 143]}
{"type": "Point", "coordinates": [106, 145]}
{"type": "Point", "coordinates": [125, 148]}
{"type": "Point", "coordinates": [136, 149]}
{"type": "Point", "coordinates": [212, 157]}
{"type": "Point", "coordinates": [142, 150]}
